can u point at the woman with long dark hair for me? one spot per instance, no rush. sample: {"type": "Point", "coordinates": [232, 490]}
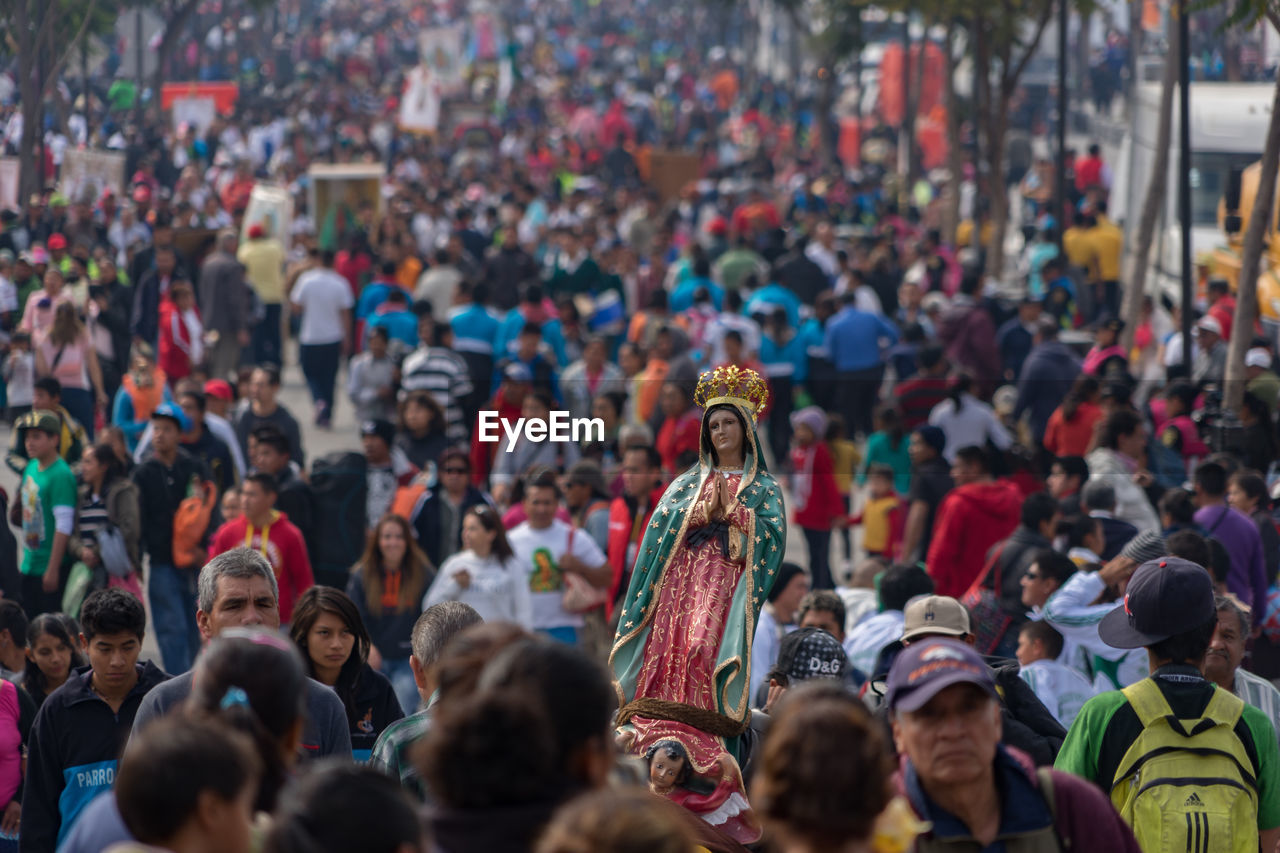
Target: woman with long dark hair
{"type": "Point", "coordinates": [108, 504]}
{"type": "Point", "coordinates": [52, 654]}
{"type": "Point", "coordinates": [387, 586]}
{"type": "Point", "coordinates": [484, 574]}
{"type": "Point", "coordinates": [329, 632]}
{"type": "Point", "coordinates": [66, 353]}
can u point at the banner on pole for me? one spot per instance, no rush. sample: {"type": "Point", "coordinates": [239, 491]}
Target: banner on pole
{"type": "Point", "coordinates": [85, 174]}
{"type": "Point", "coordinates": [441, 50]}
{"type": "Point", "coordinates": [420, 102]}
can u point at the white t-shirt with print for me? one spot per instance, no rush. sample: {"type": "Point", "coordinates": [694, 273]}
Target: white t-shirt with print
{"type": "Point", "coordinates": [539, 553]}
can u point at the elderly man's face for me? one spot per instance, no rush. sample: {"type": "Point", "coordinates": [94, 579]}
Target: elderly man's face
{"type": "Point", "coordinates": [951, 740]}
{"type": "Point", "coordinates": [1226, 649]}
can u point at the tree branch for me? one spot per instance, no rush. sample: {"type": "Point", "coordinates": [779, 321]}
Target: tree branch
{"type": "Point", "coordinates": [1009, 81]}
{"type": "Point", "coordinates": [56, 68]}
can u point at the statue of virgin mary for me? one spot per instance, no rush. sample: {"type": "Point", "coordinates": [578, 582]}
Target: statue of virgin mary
{"type": "Point", "coordinates": [682, 657]}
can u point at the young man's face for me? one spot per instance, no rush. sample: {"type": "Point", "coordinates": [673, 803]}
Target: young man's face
{"type": "Point", "coordinates": [255, 501]}
{"type": "Point", "coordinates": [540, 505]}
{"type": "Point", "coordinates": [268, 459]}
{"type": "Point", "coordinates": [637, 476]}
{"type": "Point", "coordinates": [1028, 649]}
{"type": "Point", "coordinates": [824, 619]}
{"type": "Point", "coordinates": [1061, 484]}
{"type": "Point", "coordinates": [165, 435]}
{"type": "Point", "coordinates": [40, 444]}
{"type": "Point", "coordinates": [113, 657]}
{"type": "Point", "coordinates": [42, 399]}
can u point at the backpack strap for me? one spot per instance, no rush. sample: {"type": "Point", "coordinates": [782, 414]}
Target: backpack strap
{"type": "Point", "coordinates": [1044, 777]}
{"type": "Point", "coordinates": [1148, 702]}
{"type": "Point", "coordinates": [1224, 707]}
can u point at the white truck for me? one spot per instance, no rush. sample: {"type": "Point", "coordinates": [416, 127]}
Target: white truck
{"type": "Point", "coordinates": [1228, 129]}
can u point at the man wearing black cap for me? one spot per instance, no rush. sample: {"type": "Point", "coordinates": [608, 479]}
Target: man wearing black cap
{"type": "Point", "coordinates": [1216, 765]}
{"type": "Point", "coordinates": [388, 468]}
{"type": "Point", "coordinates": [975, 792]}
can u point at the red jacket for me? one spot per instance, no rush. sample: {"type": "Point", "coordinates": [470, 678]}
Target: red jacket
{"type": "Point", "coordinates": [284, 549]}
{"type": "Point", "coordinates": [174, 350]}
{"type": "Point", "coordinates": [970, 520]}
{"type": "Point", "coordinates": [823, 502]}
{"type": "Point", "coordinates": [621, 523]}
{"type": "Point", "coordinates": [483, 453]}
{"type": "Point", "coordinates": [677, 436]}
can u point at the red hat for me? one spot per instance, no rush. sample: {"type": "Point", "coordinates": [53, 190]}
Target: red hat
{"type": "Point", "coordinates": [256, 231]}
{"type": "Point", "coordinates": [142, 193]}
{"type": "Point", "coordinates": [219, 388]}
{"type": "Point", "coordinates": [718, 226]}
{"type": "Point", "coordinates": [57, 241]}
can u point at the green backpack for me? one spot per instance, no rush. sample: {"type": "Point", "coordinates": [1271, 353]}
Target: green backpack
{"type": "Point", "coordinates": [1187, 786]}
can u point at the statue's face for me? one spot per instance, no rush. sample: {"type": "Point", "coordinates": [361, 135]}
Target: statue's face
{"type": "Point", "coordinates": [725, 430]}
{"type": "Point", "coordinates": [664, 771]}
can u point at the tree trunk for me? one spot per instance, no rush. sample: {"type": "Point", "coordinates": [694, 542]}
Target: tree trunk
{"type": "Point", "coordinates": [1132, 306]}
{"type": "Point", "coordinates": [905, 143]}
{"type": "Point", "coordinates": [955, 157]}
{"type": "Point", "coordinates": [913, 109]}
{"type": "Point", "coordinates": [981, 108]}
{"type": "Point", "coordinates": [822, 121]}
{"type": "Point", "coordinates": [1250, 256]}
{"type": "Point", "coordinates": [175, 23]}
{"type": "Point", "coordinates": [1084, 80]}
{"type": "Point", "coordinates": [999, 193]}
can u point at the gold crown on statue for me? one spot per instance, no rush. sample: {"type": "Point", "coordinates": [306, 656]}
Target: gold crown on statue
{"type": "Point", "coordinates": [737, 386]}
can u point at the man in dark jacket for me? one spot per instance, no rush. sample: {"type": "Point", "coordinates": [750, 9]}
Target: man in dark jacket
{"type": "Point", "coordinates": [437, 521]}
{"type": "Point", "coordinates": [115, 310]}
{"type": "Point", "coordinates": [800, 275]}
{"type": "Point", "coordinates": [1012, 558]}
{"type": "Point", "coordinates": [1098, 499]}
{"type": "Point", "coordinates": [508, 268]}
{"type": "Point", "coordinates": [224, 305]}
{"type": "Point", "coordinates": [1047, 376]}
{"type": "Point", "coordinates": [82, 727]}
{"type": "Point", "coordinates": [293, 494]}
{"type": "Point", "coordinates": [149, 290]}
{"type": "Point", "coordinates": [163, 482]}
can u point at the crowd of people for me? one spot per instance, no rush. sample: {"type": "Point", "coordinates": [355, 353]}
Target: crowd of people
{"type": "Point", "coordinates": [1033, 569]}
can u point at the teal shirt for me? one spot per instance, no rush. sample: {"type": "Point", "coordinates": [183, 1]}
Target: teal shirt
{"type": "Point", "coordinates": [880, 451]}
{"type": "Point", "coordinates": [39, 493]}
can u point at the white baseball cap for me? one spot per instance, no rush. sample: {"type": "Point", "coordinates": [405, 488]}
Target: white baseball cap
{"type": "Point", "coordinates": [1257, 357]}
{"type": "Point", "coordinates": [1210, 324]}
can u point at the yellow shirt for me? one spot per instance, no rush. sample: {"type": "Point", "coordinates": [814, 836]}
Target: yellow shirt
{"type": "Point", "coordinates": [1075, 243]}
{"type": "Point", "coordinates": [964, 233]}
{"type": "Point", "coordinates": [1107, 241]}
{"type": "Point", "coordinates": [875, 523]}
{"type": "Point", "coordinates": [264, 267]}
{"type": "Point", "coordinates": [845, 459]}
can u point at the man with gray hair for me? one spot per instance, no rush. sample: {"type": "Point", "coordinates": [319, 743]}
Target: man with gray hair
{"type": "Point", "coordinates": [224, 305]}
{"type": "Point", "coordinates": [431, 633]}
{"type": "Point", "coordinates": [237, 589]}
{"type": "Point", "coordinates": [1226, 651]}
